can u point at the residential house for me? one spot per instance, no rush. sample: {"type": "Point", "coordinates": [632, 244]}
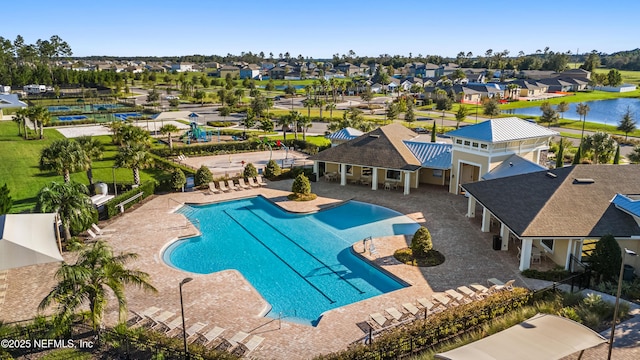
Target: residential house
{"type": "Point", "coordinates": [535, 74]}
{"type": "Point", "coordinates": [277, 73]}
{"type": "Point", "coordinates": [251, 71]}
{"type": "Point", "coordinates": [232, 70]}
{"type": "Point", "coordinates": [446, 69]}
{"type": "Point", "coordinates": [576, 74]}
{"type": "Point", "coordinates": [182, 67]}
{"type": "Point", "coordinates": [348, 69]}
{"type": "Point", "coordinates": [529, 88]}
{"type": "Point", "coordinates": [561, 213]}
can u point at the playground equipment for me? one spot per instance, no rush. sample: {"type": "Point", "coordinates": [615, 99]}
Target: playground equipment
{"type": "Point", "coordinates": [197, 134]}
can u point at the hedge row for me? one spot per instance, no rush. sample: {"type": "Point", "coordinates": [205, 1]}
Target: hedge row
{"type": "Point", "coordinates": [147, 188]}
{"type": "Point", "coordinates": [224, 148]}
{"type": "Point", "coordinates": [436, 328]}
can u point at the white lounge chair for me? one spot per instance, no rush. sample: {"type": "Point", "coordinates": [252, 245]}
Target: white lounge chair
{"type": "Point", "coordinates": [442, 299]}
{"type": "Point", "coordinates": [193, 329]}
{"type": "Point", "coordinates": [209, 336]}
{"type": "Point", "coordinates": [159, 318]}
{"type": "Point", "coordinates": [222, 186]}
{"type": "Point", "coordinates": [168, 327]}
{"type": "Point", "coordinates": [100, 231]}
{"type": "Point", "coordinates": [139, 317]}
{"type": "Point", "coordinates": [507, 286]}
{"type": "Point", "coordinates": [395, 313]}
{"type": "Point", "coordinates": [232, 186]}
{"type": "Point", "coordinates": [252, 182]}
{"type": "Point", "coordinates": [380, 319]}
{"type": "Point", "coordinates": [246, 347]}
{"type": "Point", "coordinates": [260, 181]}
{"type": "Point", "coordinates": [213, 189]}
{"type": "Point", "coordinates": [243, 185]}
{"type": "Point", "coordinates": [412, 309]}
{"type": "Point", "coordinates": [94, 236]}
{"type": "Point", "coordinates": [229, 344]}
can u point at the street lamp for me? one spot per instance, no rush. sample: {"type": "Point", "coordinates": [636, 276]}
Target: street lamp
{"type": "Point", "coordinates": [615, 309]}
{"type": "Point", "coordinates": [184, 331]}
{"type": "Point", "coordinates": [115, 186]}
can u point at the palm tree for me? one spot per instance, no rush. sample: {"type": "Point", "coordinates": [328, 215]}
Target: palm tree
{"type": "Point", "coordinates": [94, 149]}
{"type": "Point", "coordinates": [39, 115]}
{"type": "Point", "coordinates": [135, 157]}
{"type": "Point", "coordinates": [88, 280]}
{"type": "Point", "coordinates": [70, 201]}
{"type": "Point", "coordinates": [284, 121]}
{"type": "Point", "coordinates": [168, 129]}
{"type": "Point", "coordinates": [19, 118]}
{"type": "Point", "coordinates": [294, 118]}
{"type": "Point", "coordinates": [135, 135]}
{"type": "Point", "coordinates": [304, 123]}
{"type": "Point", "coordinates": [330, 107]}
{"type": "Point", "coordinates": [309, 103]}
{"type": "Point", "coordinates": [583, 110]}
{"type": "Point", "coordinates": [64, 157]}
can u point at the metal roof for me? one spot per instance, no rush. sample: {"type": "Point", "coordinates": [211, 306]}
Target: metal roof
{"type": "Point", "coordinates": [11, 100]}
{"type": "Point", "coordinates": [627, 205]}
{"type": "Point", "coordinates": [347, 133]}
{"type": "Point", "coordinates": [502, 130]}
{"type": "Point", "coordinates": [431, 155]}
{"type": "Point", "coordinates": [514, 165]}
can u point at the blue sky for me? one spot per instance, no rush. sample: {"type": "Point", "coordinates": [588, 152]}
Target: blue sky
{"type": "Point", "coordinates": [320, 29]}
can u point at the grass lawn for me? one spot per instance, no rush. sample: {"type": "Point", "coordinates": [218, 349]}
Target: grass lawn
{"type": "Point", "coordinates": [574, 97]}
{"type": "Point", "coordinates": [315, 140]}
{"type": "Point", "coordinates": [19, 160]}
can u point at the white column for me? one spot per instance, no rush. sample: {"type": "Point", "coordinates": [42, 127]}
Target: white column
{"type": "Point", "coordinates": [525, 254]}
{"type": "Point", "coordinates": [407, 182]}
{"type": "Point", "coordinates": [471, 207]}
{"type": "Point", "coordinates": [374, 179]}
{"type": "Point", "coordinates": [504, 233]}
{"type": "Point", "coordinates": [567, 264]}
{"type": "Point", "coordinates": [486, 220]}
{"type": "Point", "coordinates": [315, 170]}
{"type": "Point", "coordinates": [343, 174]}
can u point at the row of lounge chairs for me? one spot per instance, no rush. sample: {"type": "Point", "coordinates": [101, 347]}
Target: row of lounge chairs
{"type": "Point", "coordinates": [240, 344]}
{"type": "Point", "coordinates": [438, 302]}
{"type": "Point", "coordinates": [230, 185]}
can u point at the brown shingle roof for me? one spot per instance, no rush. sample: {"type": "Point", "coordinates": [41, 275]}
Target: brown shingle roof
{"type": "Point", "coordinates": [537, 205]}
{"type": "Point", "coordinates": [382, 147]}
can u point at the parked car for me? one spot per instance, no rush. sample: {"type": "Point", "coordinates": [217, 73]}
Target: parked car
{"type": "Point", "coordinates": [421, 130]}
{"type": "Point", "coordinates": [172, 97]}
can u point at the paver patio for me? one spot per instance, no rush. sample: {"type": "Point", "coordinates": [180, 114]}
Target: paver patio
{"type": "Point", "coordinates": [225, 299]}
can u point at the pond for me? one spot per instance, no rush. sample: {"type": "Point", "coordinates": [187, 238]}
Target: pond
{"type": "Point", "coordinates": [601, 111]}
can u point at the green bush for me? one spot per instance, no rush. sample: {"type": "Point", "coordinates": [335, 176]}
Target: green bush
{"type": "Point", "coordinates": [301, 185]}
{"type": "Point", "coordinates": [203, 176]}
{"type": "Point", "coordinates": [250, 171]}
{"type": "Point", "coordinates": [178, 179]}
{"type": "Point", "coordinates": [272, 169]}
{"type": "Point", "coordinates": [421, 242]}
{"type": "Point", "coordinates": [606, 258]}
{"type": "Point", "coordinates": [164, 164]}
{"type": "Point", "coordinates": [555, 274]}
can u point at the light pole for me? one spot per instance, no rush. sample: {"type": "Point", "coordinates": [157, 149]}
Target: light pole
{"type": "Point", "coordinates": [184, 331]}
{"type": "Point", "coordinates": [115, 186]}
{"type": "Point", "coordinates": [615, 309]}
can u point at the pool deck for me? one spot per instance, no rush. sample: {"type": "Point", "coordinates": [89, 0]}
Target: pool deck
{"type": "Point", "coordinates": [227, 300]}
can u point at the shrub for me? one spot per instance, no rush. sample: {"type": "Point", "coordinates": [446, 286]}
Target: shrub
{"type": "Point", "coordinates": [147, 188]}
{"type": "Point", "coordinates": [178, 179]}
{"type": "Point", "coordinates": [272, 169]}
{"type": "Point", "coordinates": [250, 171]}
{"type": "Point", "coordinates": [421, 242]}
{"type": "Point", "coordinates": [606, 258]}
{"type": "Point", "coordinates": [203, 176]}
{"type": "Point", "coordinates": [301, 185]}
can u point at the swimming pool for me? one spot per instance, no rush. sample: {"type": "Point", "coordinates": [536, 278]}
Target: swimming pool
{"type": "Point", "coordinates": [301, 264]}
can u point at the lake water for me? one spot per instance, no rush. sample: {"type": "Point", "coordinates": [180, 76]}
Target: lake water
{"type": "Point", "coordinates": [602, 111]}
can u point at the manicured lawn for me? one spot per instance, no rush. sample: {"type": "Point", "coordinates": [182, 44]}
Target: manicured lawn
{"type": "Point", "coordinates": [575, 97]}
{"type": "Point", "coordinates": [315, 140]}
{"type": "Point", "coordinates": [19, 160]}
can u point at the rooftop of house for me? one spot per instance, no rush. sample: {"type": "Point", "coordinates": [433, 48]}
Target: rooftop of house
{"type": "Point", "coordinates": [573, 202]}
{"type": "Point", "coordinates": [502, 130]}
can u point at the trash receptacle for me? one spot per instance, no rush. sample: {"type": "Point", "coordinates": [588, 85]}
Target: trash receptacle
{"type": "Point", "coordinates": [628, 272]}
{"type": "Point", "coordinates": [313, 177]}
{"type": "Point", "coordinates": [497, 242]}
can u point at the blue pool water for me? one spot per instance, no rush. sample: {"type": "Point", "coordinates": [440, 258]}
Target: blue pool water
{"type": "Point", "coordinates": [72, 118]}
{"type": "Point", "coordinates": [301, 264]}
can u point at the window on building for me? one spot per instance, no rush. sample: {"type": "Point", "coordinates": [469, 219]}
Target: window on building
{"type": "Point", "coordinates": [349, 170]}
{"type": "Point", "coordinates": [483, 146]}
{"type": "Point", "coordinates": [548, 243]}
{"type": "Point", "coordinates": [458, 141]}
{"type": "Point", "coordinates": [393, 175]}
{"type": "Point", "coordinates": [367, 171]}
{"type": "Point", "coordinates": [467, 143]}
{"type": "Point", "coordinates": [437, 173]}
{"type": "Point", "coordinates": [475, 144]}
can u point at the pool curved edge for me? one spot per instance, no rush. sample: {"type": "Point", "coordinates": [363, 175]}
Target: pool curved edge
{"type": "Point", "coordinates": [175, 241]}
{"type": "Point", "coordinates": [375, 265]}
